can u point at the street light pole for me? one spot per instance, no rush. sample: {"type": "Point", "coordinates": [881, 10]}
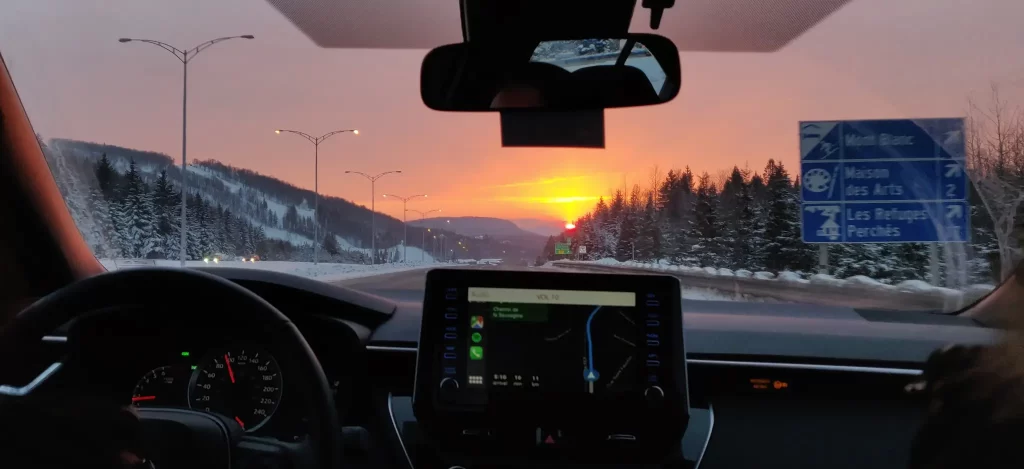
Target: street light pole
{"type": "Point", "coordinates": [405, 226]}
{"type": "Point", "coordinates": [316, 141]}
{"type": "Point", "coordinates": [373, 213]}
{"type": "Point", "coordinates": [185, 56]}
{"type": "Point", "coordinates": [423, 242]}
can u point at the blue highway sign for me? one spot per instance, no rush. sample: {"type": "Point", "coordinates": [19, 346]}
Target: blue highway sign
{"type": "Point", "coordinates": [883, 181]}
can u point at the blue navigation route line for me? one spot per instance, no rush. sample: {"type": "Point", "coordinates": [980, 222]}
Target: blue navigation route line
{"type": "Point", "coordinates": [591, 374]}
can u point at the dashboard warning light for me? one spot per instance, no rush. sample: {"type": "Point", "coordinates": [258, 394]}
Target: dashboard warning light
{"type": "Point", "coordinates": [780, 384]}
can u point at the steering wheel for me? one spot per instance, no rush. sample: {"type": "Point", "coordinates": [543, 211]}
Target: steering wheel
{"type": "Point", "coordinates": [213, 440]}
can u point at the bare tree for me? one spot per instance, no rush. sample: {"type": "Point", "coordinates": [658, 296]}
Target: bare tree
{"type": "Point", "coordinates": [995, 156]}
{"type": "Point", "coordinates": [655, 183]}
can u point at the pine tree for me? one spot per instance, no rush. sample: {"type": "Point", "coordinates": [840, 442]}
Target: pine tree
{"type": "Point", "coordinates": [134, 216]}
{"type": "Point", "coordinates": [648, 243]}
{"type": "Point", "coordinates": [705, 226]}
{"type": "Point", "coordinates": [784, 248]}
{"type": "Point", "coordinates": [330, 244]}
{"type": "Point", "coordinates": [194, 236]}
{"type": "Point", "coordinates": [106, 177]}
{"type": "Point", "coordinates": [676, 197]}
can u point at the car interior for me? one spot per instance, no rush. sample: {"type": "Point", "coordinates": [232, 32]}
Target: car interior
{"type": "Point", "coordinates": [259, 369]}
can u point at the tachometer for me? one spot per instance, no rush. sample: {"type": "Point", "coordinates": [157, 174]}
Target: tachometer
{"type": "Point", "coordinates": [164, 386]}
{"type": "Point", "coordinates": [242, 384]}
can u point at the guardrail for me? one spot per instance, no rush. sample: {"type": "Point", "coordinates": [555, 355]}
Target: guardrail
{"type": "Point", "coordinates": [852, 296]}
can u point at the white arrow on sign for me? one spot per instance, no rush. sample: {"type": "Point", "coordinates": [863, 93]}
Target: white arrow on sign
{"type": "Point", "coordinates": [953, 170]}
{"type": "Point", "coordinates": [954, 211]}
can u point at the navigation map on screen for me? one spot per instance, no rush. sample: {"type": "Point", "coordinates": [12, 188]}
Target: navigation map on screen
{"type": "Point", "coordinates": [559, 341]}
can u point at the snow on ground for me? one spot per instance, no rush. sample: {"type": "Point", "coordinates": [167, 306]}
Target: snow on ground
{"type": "Point", "coordinates": [326, 272]}
{"type": "Point", "coordinates": [908, 286]}
{"type": "Point", "coordinates": [415, 254]}
{"type": "Point", "coordinates": [707, 294]}
{"type": "Point", "coordinates": [787, 276]}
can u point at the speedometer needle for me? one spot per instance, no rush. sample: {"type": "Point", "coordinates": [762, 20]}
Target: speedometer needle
{"type": "Point", "coordinates": [231, 373]}
{"type": "Point", "coordinates": [143, 398]}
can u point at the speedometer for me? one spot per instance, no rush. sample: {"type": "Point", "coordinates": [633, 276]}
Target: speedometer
{"type": "Point", "coordinates": [242, 384]}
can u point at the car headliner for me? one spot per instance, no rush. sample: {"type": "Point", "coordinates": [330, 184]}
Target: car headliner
{"type": "Point", "coordinates": [694, 25]}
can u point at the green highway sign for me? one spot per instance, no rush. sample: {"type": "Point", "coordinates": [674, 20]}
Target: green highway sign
{"type": "Point", "coordinates": [562, 248]}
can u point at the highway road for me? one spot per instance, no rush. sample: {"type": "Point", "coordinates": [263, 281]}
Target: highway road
{"type": "Point", "coordinates": [400, 286]}
{"type": "Point", "coordinates": [408, 285]}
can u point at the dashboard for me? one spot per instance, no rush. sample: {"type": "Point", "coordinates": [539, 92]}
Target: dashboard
{"type": "Point", "coordinates": [763, 382]}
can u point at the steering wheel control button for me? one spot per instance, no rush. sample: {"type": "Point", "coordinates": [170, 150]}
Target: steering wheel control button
{"type": "Point", "coordinates": [621, 437]}
{"type": "Point", "coordinates": [654, 396]}
{"type": "Point", "coordinates": [549, 438]}
{"type": "Point", "coordinates": [477, 435]}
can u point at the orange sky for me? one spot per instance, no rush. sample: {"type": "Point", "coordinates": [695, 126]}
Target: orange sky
{"type": "Point", "coordinates": [873, 59]}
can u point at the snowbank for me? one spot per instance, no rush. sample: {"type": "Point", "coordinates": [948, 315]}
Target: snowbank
{"type": "Point", "coordinates": [825, 279]}
{"type": "Point", "coordinates": [787, 276]}
{"type": "Point", "coordinates": [951, 296]}
{"type": "Point", "coordinates": [327, 272]}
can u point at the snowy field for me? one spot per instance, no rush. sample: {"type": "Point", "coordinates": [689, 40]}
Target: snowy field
{"type": "Point", "coordinates": [907, 286]}
{"type": "Point", "coordinates": [857, 291]}
{"type": "Point", "coordinates": [323, 271]}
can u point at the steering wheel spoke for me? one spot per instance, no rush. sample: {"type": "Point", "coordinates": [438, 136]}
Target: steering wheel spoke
{"type": "Point", "coordinates": [38, 384]}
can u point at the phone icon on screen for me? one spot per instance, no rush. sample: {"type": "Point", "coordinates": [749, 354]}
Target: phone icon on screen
{"type": "Point", "coordinates": [476, 352]}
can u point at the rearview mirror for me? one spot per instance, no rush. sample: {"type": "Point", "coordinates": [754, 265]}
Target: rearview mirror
{"type": "Point", "coordinates": [566, 74]}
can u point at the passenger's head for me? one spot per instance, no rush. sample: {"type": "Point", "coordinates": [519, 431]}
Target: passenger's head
{"type": "Point", "coordinates": [975, 413]}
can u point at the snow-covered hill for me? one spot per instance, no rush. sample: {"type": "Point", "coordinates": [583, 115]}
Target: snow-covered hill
{"type": "Point", "coordinates": [232, 211]}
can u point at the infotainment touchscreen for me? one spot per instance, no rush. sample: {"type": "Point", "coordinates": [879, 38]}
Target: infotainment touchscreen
{"type": "Point", "coordinates": [494, 341]}
{"type": "Point", "coordinates": [533, 341]}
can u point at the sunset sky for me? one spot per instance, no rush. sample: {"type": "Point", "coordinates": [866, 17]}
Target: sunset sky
{"type": "Point", "coordinates": [872, 59]}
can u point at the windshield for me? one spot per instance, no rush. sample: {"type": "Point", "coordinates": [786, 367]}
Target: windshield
{"type": "Point", "coordinates": [324, 162]}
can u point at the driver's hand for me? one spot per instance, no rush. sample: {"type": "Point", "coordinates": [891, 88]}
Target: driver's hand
{"type": "Point", "coordinates": [975, 413]}
{"type": "Point", "coordinates": [71, 433]}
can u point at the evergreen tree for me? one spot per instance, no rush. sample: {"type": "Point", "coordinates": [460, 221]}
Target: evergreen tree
{"type": "Point", "coordinates": [134, 216]}
{"type": "Point", "coordinates": [194, 237]}
{"type": "Point", "coordinates": [648, 243]}
{"type": "Point", "coordinates": [676, 197]}
{"type": "Point", "coordinates": [330, 244]}
{"type": "Point", "coordinates": [106, 177]}
{"type": "Point", "coordinates": [705, 226]}
{"type": "Point", "coordinates": [166, 215]}
{"type": "Point", "coordinates": [784, 248]}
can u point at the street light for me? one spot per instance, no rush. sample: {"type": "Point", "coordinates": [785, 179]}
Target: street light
{"type": "Point", "coordinates": [185, 56]}
{"type": "Point", "coordinates": [405, 227]}
{"type": "Point", "coordinates": [316, 141]}
{"type": "Point", "coordinates": [423, 242]}
{"type": "Point", "coordinates": [373, 214]}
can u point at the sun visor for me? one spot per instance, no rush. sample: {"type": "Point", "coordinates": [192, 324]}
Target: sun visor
{"type": "Point", "coordinates": [693, 25]}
